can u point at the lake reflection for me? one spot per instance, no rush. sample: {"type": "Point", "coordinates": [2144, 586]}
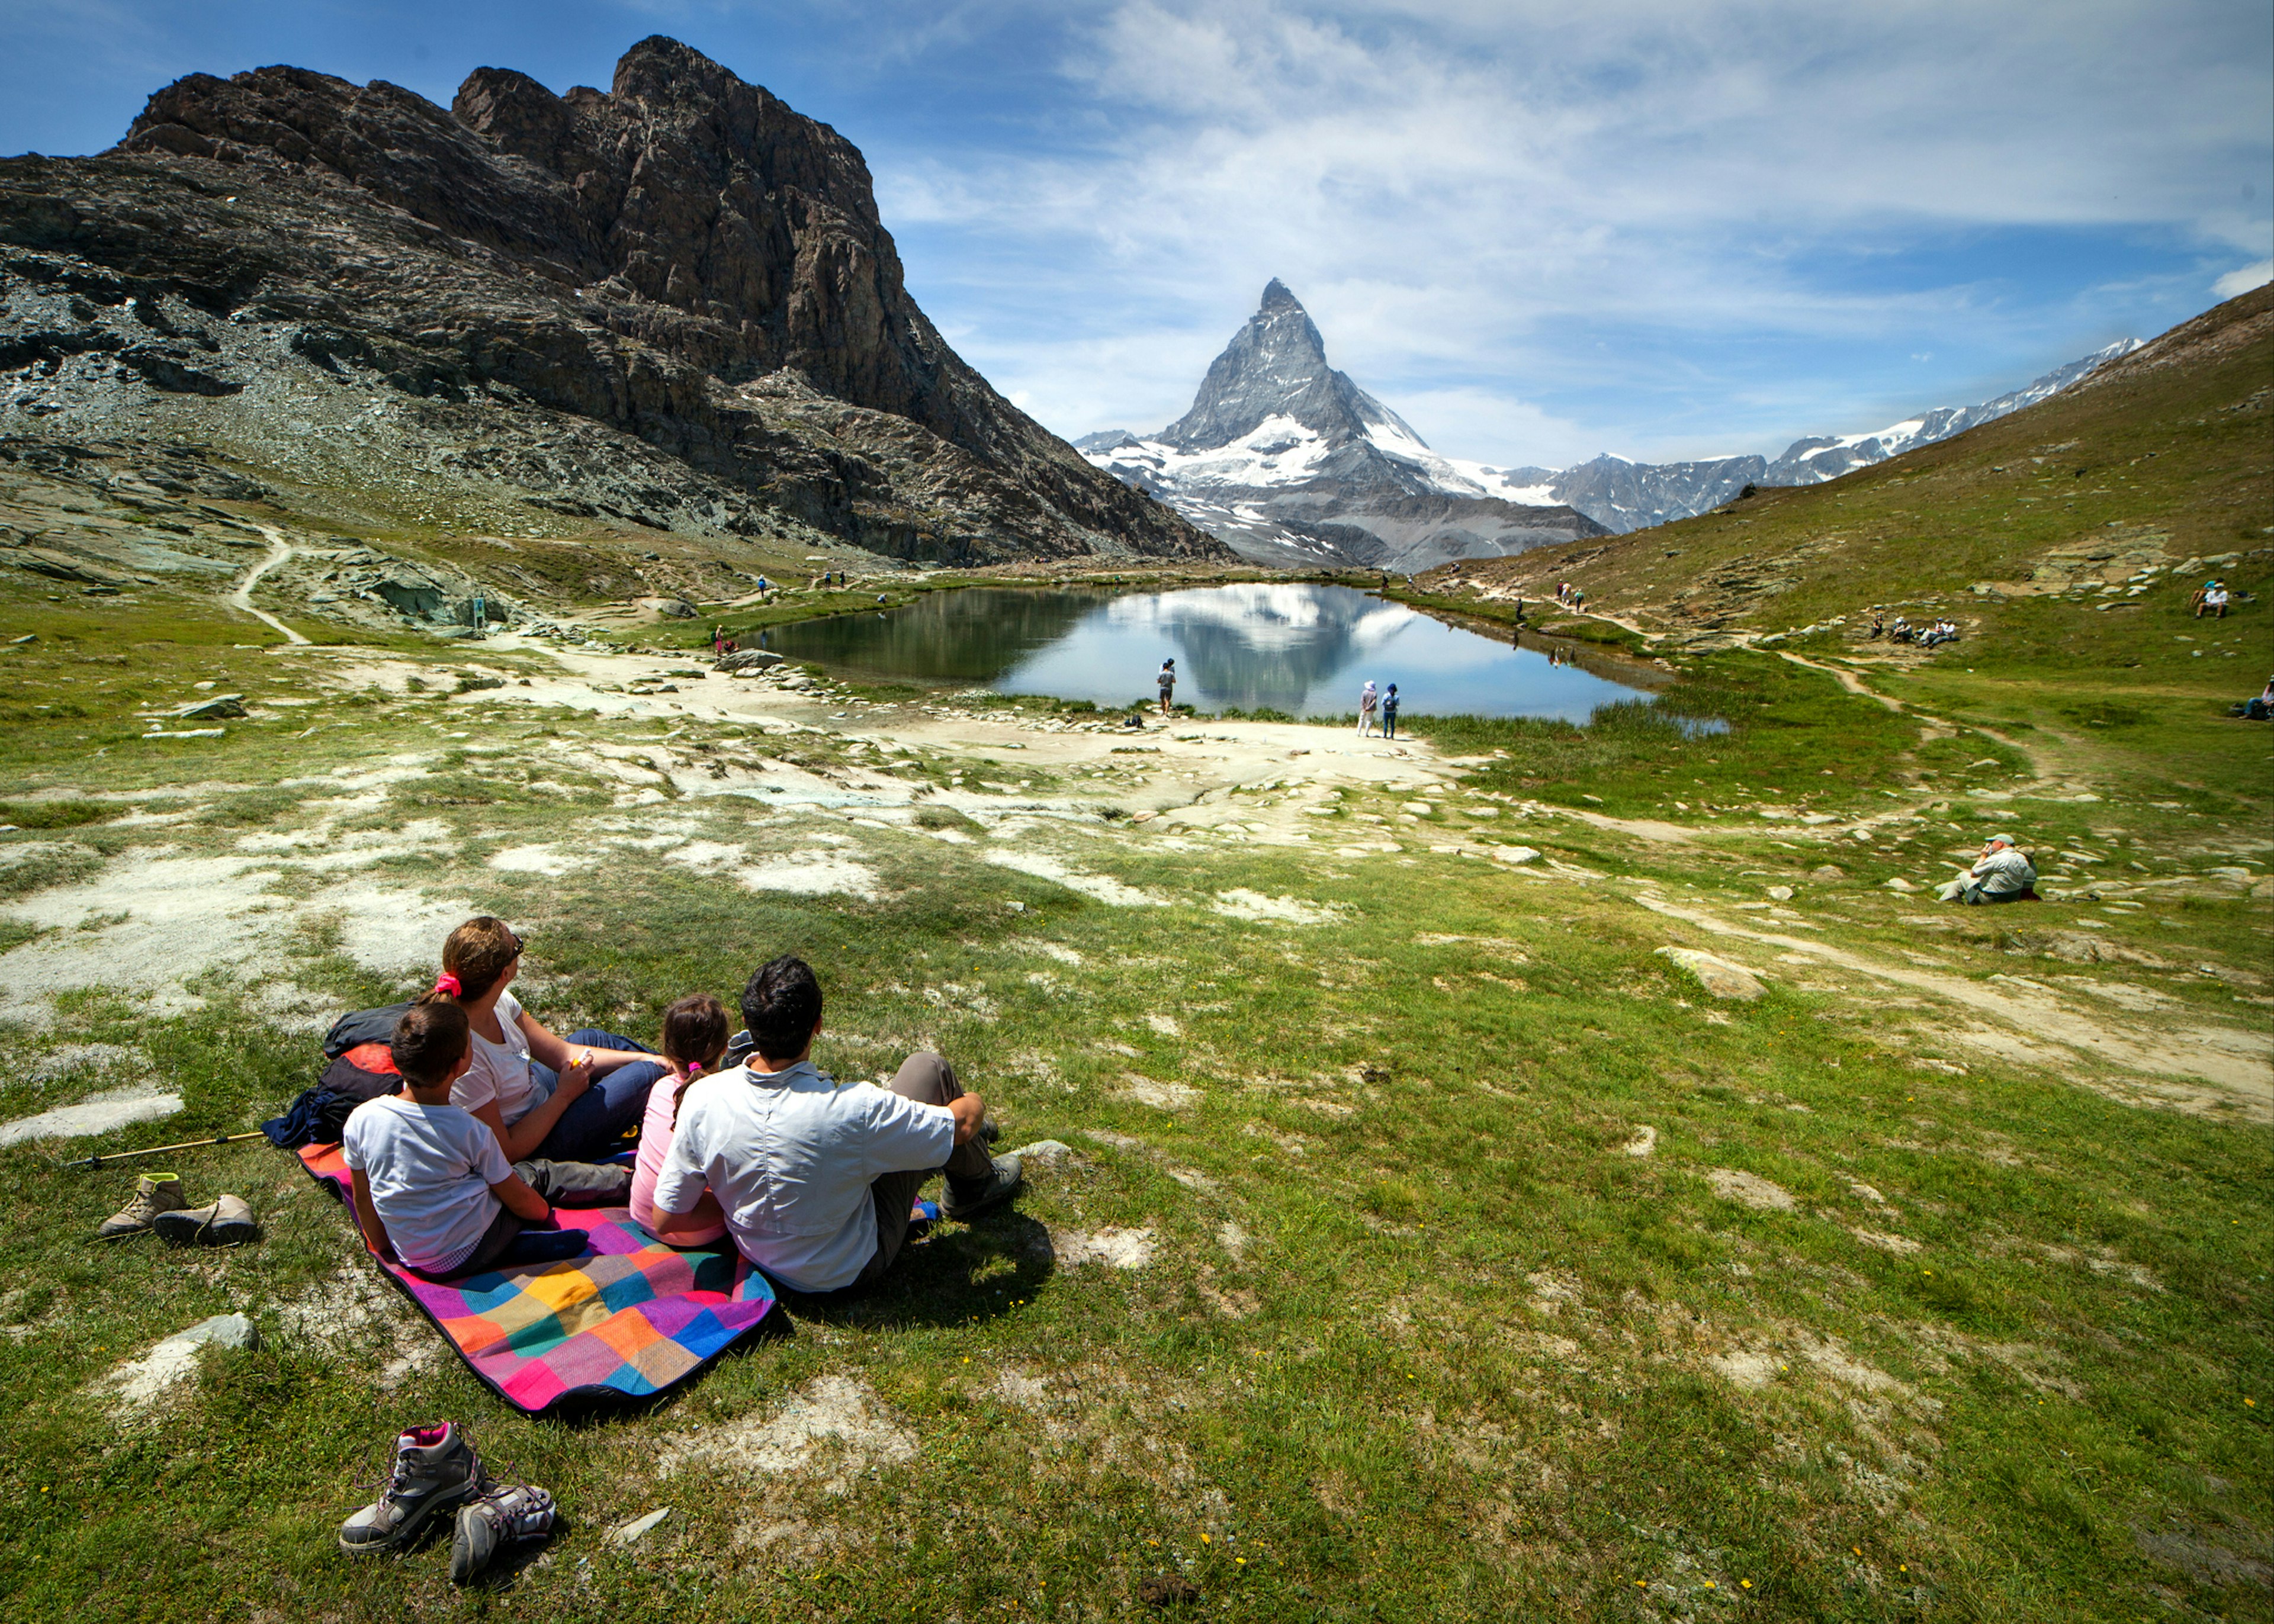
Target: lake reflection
{"type": "Point", "coordinates": [1304, 650]}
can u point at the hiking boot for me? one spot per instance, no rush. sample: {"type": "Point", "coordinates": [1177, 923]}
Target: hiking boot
{"type": "Point", "coordinates": [158, 1192]}
{"type": "Point", "coordinates": [968, 1198]}
{"type": "Point", "coordinates": [434, 1471]}
{"type": "Point", "coordinates": [494, 1520]}
{"type": "Point", "coordinates": [226, 1222]}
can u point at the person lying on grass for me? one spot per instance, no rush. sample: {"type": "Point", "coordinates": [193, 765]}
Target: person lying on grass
{"type": "Point", "coordinates": [816, 1181]}
{"type": "Point", "coordinates": [433, 1190]}
{"type": "Point", "coordinates": [567, 1100]}
{"type": "Point", "coordinates": [693, 1039]}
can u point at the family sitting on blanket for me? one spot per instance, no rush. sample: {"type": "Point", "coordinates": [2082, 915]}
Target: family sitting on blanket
{"type": "Point", "coordinates": [459, 1172]}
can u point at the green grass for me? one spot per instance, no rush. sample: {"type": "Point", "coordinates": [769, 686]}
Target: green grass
{"type": "Point", "coordinates": [1419, 1339]}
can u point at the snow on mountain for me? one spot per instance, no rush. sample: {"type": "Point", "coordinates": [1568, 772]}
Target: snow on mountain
{"type": "Point", "coordinates": [1289, 461]}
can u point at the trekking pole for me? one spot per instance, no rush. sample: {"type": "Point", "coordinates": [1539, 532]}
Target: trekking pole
{"type": "Point", "coordinates": [87, 1163]}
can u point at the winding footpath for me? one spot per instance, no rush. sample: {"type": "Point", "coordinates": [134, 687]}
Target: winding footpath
{"type": "Point", "coordinates": [279, 551]}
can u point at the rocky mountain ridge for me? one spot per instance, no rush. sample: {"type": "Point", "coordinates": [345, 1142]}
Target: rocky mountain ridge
{"type": "Point", "coordinates": [1622, 495]}
{"type": "Point", "coordinates": [671, 303]}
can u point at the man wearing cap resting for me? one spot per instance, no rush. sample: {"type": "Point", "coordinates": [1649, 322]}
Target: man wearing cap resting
{"type": "Point", "coordinates": [2001, 874]}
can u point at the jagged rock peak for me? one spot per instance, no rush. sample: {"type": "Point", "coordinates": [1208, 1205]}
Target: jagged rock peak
{"type": "Point", "coordinates": [1275, 366]}
{"type": "Point", "coordinates": [679, 257]}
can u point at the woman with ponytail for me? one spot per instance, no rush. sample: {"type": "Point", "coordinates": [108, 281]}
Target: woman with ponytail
{"type": "Point", "coordinates": [564, 1099]}
{"type": "Point", "coordinates": [693, 1039]}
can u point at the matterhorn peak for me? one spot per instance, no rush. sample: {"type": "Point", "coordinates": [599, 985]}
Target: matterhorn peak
{"type": "Point", "coordinates": [1276, 367]}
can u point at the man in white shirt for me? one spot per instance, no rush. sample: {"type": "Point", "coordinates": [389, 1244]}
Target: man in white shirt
{"type": "Point", "coordinates": [2002, 874]}
{"type": "Point", "coordinates": [816, 1181]}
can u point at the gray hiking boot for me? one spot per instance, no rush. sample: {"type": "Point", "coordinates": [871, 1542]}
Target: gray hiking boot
{"type": "Point", "coordinates": [156, 1193]}
{"type": "Point", "coordinates": [968, 1198]}
{"type": "Point", "coordinates": [225, 1224]}
{"type": "Point", "coordinates": [434, 1471]}
{"type": "Point", "coordinates": [495, 1519]}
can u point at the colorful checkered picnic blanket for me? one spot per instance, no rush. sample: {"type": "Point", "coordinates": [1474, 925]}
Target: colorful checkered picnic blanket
{"type": "Point", "coordinates": [631, 1318]}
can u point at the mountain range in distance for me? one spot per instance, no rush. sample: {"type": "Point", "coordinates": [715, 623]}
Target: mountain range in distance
{"type": "Point", "coordinates": [1289, 461]}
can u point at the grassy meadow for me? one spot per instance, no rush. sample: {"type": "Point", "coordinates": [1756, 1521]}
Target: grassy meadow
{"type": "Point", "coordinates": [1430, 1245]}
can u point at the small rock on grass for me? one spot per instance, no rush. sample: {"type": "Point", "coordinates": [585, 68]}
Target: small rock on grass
{"type": "Point", "coordinates": [1717, 976]}
{"type": "Point", "coordinates": [1168, 1590]}
{"type": "Point", "coordinates": [1780, 893]}
{"type": "Point", "coordinates": [631, 1532]}
{"type": "Point", "coordinates": [1749, 1190]}
{"type": "Point", "coordinates": [1899, 883]}
{"type": "Point", "coordinates": [136, 1384]}
{"type": "Point", "coordinates": [1044, 1152]}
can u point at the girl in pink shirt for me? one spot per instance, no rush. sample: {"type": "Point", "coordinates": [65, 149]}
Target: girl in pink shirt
{"type": "Point", "coordinates": [694, 1038]}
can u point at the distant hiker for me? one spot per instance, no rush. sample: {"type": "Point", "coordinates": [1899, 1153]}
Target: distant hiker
{"type": "Point", "coordinates": [2262, 709]}
{"type": "Point", "coordinates": [817, 1183]}
{"type": "Point", "coordinates": [1389, 712]}
{"type": "Point", "coordinates": [1167, 683]}
{"type": "Point", "coordinates": [1369, 705]}
{"type": "Point", "coordinates": [1878, 625]}
{"type": "Point", "coordinates": [2002, 874]}
{"type": "Point", "coordinates": [1519, 610]}
{"type": "Point", "coordinates": [2214, 601]}
{"type": "Point", "coordinates": [717, 640]}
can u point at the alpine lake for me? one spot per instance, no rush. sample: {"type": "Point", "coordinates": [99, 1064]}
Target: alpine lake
{"type": "Point", "coordinates": [1297, 649]}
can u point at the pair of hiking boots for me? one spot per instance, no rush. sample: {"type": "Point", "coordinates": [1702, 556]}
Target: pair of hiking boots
{"type": "Point", "coordinates": [436, 1473]}
{"type": "Point", "coordinates": [159, 1205]}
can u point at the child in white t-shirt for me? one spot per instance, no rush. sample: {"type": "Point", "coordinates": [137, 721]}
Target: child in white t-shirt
{"type": "Point", "coordinates": [433, 1188]}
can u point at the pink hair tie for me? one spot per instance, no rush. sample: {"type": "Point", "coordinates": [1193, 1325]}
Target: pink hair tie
{"type": "Point", "coordinates": [448, 983]}
{"type": "Point", "coordinates": [694, 1070]}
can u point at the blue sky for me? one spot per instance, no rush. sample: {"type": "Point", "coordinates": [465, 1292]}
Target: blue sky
{"type": "Point", "coordinates": [1538, 230]}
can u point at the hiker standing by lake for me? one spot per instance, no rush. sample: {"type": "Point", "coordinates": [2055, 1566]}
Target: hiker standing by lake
{"type": "Point", "coordinates": [1167, 681]}
{"type": "Point", "coordinates": [1369, 704]}
{"type": "Point", "coordinates": [1389, 712]}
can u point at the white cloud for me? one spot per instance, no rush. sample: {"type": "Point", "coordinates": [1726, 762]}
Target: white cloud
{"type": "Point", "coordinates": [2243, 281]}
{"type": "Point", "coordinates": [1460, 189]}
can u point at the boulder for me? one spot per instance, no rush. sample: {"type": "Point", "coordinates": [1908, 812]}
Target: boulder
{"type": "Point", "coordinates": [1827, 874]}
{"type": "Point", "coordinates": [675, 609]}
{"type": "Point", "coordinates": [1718, 976]}
{"type": "Point", "coordinates": [1899, 883]}
{"type": "Point", "coordinates": [1780, 893]}
{"type": "Point", "coordinates": [748, 659]}
{"type": "Point", "coordinates": [213, 710]}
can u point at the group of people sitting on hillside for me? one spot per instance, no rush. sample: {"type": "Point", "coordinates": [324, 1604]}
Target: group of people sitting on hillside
{"type": "Point", "coordinates": [1925, 635]}
{"type": "Point", "coordinates": [740, 1137]}
{"type": "Point", "coordinates": [2210, 598]}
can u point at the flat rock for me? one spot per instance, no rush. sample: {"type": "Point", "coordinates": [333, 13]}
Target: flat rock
{"type": "Point", "coordinates": [1750, 1189]}
{"type": "Point", "coordinates": [1718, 976]}
{"type": "Point", "coordinates": [748, 659]}
{"type": "Point", "coordinates": [214, 708]}
{"type": "Point", "coordinates": [100, 1114]}
{"type": "Point", "coordinates": [1899, 883]}
{"type": "Point", "coordinates": [1781, 893]}
{"type": "Point", "coordinates": [1044, 1152]}
{"type": "Point", "coordinates": [136, 1384]}
{"type": "Point", "coordinates": [630, 1533]}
